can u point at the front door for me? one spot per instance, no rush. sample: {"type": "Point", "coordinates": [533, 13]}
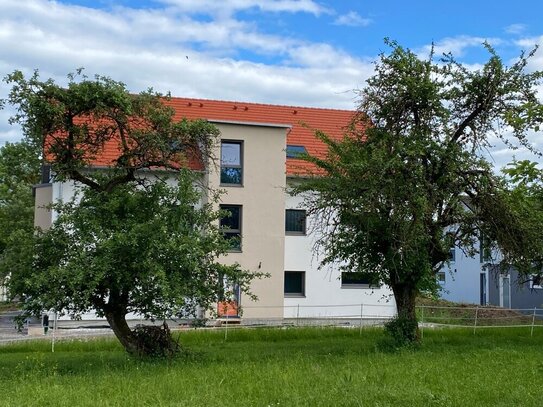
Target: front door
{"type": "Point", "coordinates": [505, 291]}
{"type": "Point", "coordinates": [482, 289]}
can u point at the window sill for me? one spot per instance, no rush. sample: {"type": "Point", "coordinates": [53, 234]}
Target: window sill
{"type": "Point", "coordinates": [292, 295]}
{"type": "Point", "coordinates": [232, 185]}
{"type": "Point", "coordinates": [358, 286]}
{"type": "Point", "coordinates": [295, 234]}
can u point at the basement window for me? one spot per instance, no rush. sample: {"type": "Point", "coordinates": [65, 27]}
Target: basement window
{"type": "Point", "coordinates": [294, 283]}
{"type": "Point", "coordinates": [359, 279]}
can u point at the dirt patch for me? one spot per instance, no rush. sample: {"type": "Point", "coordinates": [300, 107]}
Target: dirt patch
{"type": "Point", "coordinates": [446, 312]}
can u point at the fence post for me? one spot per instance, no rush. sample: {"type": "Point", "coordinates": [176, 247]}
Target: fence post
{"type": "Point", "coordinates": [54, 333]}
{"type": "Point", "coordinates": [226, 330]}
{"type": "Point", "coordinates": [361, 317]}
{"type": "Point", "coordinates": [476, 314]}
{"type": "Point", "coordinates": [533, 322]}
{"type": "Point", "coordinates": [422, 321]}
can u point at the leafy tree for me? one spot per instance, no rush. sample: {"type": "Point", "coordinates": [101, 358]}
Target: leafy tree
{"type": "Point", "coordinates": [150, 250]}
{"type": "Point", "coordinates": [128, 242]}
{"type": "Point", "coordinates": [525, 195]}
{"type": "Point", "coordinates": [409, 179]}
{"type": "Point", "coordinates": [19, 171]}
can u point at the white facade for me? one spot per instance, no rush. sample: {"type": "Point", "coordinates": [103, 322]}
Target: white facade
{"type": "Point", "coordinates": [324, 295]}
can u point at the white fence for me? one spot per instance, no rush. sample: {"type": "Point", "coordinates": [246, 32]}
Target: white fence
{"type": "Point", "coordinates": [476, 317]}
{"type": "Point", "coordinates": [472, 317]}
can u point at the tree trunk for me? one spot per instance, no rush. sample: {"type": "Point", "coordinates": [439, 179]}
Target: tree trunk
{"type": "Point", "coordinates": [405, 296]}
{"type": "Point", "coordinates": [117, 322]}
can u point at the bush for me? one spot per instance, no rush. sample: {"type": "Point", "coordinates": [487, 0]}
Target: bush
{"type": "Point", "coordinates": [155, 341]}
{"type": "Point", "coordinates": [402, 330]}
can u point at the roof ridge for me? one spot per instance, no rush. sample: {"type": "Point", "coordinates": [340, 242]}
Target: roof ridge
{"type": "Point", "coordinates": [173, 98]}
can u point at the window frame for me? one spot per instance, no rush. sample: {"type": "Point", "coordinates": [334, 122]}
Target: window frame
{"type": "Point", "coordinates": [233, 232]}
{"type": "Point", "coordinates": [240, 166]}
{"type": "Point", "coordinates": [294, 154]}
{"type": "Point", "coordinates": [441, 277]}
{"type": "Point", "coordinates": [485, 253]}
{"type": "Point", "coordinates": [294, 294]}
{"type": "Point", "coordinates": [357, 285]}
{"type": "Point", "coordinates": [452, 254]}
{"type": "Point", "coordinates": [296, 232]}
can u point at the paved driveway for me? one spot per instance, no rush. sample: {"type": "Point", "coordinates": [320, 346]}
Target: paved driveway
{"type": "Point", "coordinates": [8, 331]}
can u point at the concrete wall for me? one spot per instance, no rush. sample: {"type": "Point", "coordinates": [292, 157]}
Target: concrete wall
{"type": "Point", "coordinates": [263, 212]}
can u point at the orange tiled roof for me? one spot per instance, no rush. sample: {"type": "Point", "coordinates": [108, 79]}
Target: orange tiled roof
{"type": "Point", "coordinates": [331, 121]}
{"type": "Point", "coordinates": [303, 121]}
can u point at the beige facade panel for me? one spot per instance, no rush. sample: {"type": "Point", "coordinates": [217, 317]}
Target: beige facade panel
{"type": "Point", "coordinates": [43, 198]}
{"type": "Point", "coordinates": [261, 195]}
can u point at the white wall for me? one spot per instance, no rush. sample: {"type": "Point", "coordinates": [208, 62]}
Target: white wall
{"type": "Point", "coordinates": [324, 296]}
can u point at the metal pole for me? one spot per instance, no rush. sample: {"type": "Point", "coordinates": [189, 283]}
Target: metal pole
{"type": "Point", "coordinates": [298, 315]}
{"type": "Point", "coordinates": [54, 333]}
{"type": "Point", "coordinates": [476, 314]}
{"type": "Point", "coordinates": [533, 323]}
{"type": "Point", "coordinates": [422, 321]}
{"type": "Point", "coordinates": [225, 311]}
{"type": "Point", "coordinates": [361, 314]}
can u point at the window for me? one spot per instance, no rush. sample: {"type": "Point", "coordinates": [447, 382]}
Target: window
{"type": "Point", "coordinates": [231, 225]}
{"type": "Point", "coordinates": [485, 254]}
{"type": "Point", "coordinates": [295, 151]}
{"type": "Point", "coordinates": [452, 255]}
{"type": "Point", "coordinates": [231, 163]}
{"type": "Point", "coordinates": [45, 173]}
{"type": "Point", "coordinates": [536, 282]}
{"type": "Point", "coordinates": [359, 279]}
{"type": "Point", "coordinates": [295, 221]}
{"type": "Point", "coordinates": [441, 277]}
{"type": "Point", "coordinates": [294, 283]}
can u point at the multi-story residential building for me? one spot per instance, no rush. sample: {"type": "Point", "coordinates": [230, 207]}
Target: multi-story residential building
{"type": "Point", "coordinates": [258, 161]}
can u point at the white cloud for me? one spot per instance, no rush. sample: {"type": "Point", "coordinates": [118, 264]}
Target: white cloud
{"type": "Point", "coordinates": [352, 19]}
{"type": "Point", "coordinates": [515, 28]}
{"type": "Point", "coordinates": [149, 48]}
{"type": "Point", "coordinates": [536, 62]}
{"type": "Point", "coordinates": [457, 45]}
{"type": "Point", "coordinates": [231, 6]}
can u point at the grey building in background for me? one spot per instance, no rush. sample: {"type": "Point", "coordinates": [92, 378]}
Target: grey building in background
{"type": "Point", "coordinates": [508, 290]}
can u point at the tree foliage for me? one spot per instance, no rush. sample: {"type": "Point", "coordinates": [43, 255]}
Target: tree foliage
{"type": "Point", "coordinates": [525, 196]}
{"type": "Point", "coordinates": [410, 180]}
{"type": "Point", "coordinates": [76, 125]}
{"type": "Point", "coordinates": [129, 241]}
{"type": "Point", "coordinates": [19, 171]}
{"type": "Point", "coordinates": [149, 250]}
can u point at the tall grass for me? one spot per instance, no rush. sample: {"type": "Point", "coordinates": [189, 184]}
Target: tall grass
{"type": "Point", "coordinates": [283, 367]}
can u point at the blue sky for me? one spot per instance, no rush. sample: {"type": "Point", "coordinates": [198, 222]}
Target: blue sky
{"type": "Point", "coordinates": [295, 52]}
{"type": "Point", "coordinates": [359, 27]}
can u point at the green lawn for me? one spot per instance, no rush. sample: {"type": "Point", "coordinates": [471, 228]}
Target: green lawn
{"type": "Point", "coordinates": [293, 367]}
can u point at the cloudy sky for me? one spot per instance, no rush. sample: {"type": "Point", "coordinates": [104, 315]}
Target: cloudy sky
{"type": "Point", "coordinates": [295, 52]}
